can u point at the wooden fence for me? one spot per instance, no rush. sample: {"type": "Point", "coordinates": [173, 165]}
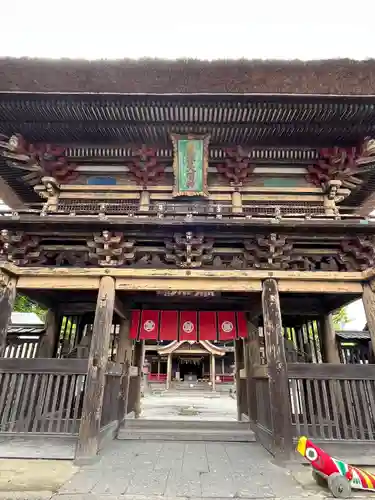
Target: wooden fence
{"type": "Point", "coordinates": [328, 402]}
{"type": "Point", "coordinates": [41, 395]}
{"type": "Point", "coordinates": [45, 396]}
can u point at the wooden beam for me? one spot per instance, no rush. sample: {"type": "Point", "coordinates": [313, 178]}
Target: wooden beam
{"type": "Point", "coordinates": [9, 196]}
{"type": "Point", "coordinates": [87, 272]}
{"type": "Point", "coordinates": [305, 286]}
{"type": "Point", "coordinates": [57, 283]}
{"type": "Point", "coordinates": [88, 441]}
{"type": "Point", "coordinates": [279, 394]}
{"type": "Point", "coordinates": [368, 299]}
{"type": "Point", "coordinates": [7, 298]}
{"type": "Point", "coordinates": [120, 309]}
{"type": "Point", "coordinates": [252, 360]}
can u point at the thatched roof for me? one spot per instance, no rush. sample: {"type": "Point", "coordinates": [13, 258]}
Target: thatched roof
{"type": "Point", "coordinates": [342, 76]}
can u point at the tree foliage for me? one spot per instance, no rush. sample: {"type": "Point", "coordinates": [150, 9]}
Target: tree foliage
{"type": "Point", "coordinates": [341, 318]}
{"type": "Point", "coordinates": [24, 304]}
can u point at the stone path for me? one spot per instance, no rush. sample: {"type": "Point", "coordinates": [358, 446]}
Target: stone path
{"type": "Point", "coordinates": [210, 406]}
{"type": "Point", "coordinates": [172, 470]}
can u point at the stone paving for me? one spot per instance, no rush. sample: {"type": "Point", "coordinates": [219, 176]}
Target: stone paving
{"type": "Point", "coordinates": [210, 406]}
{"type": "Point", "coordinates": [172, 470]}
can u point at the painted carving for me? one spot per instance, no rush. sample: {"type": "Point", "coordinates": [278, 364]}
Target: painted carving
{"type": "Point", "coordinates": [190, 164]}
{"type": "Point", "coordinates": [189, 250]}
{"type": "Point", "coordinates": [19, 248]}
{"type": "Point", "coordinates": [111, 249]}
{"type": "Point", "coordinates": [237, 167]}
{"type": "Point", "coordinates": [268, 252]}
{"type": "Point", "coordinates": [144, 167]}
{"type": "Point", "coordinates": [38, 160]}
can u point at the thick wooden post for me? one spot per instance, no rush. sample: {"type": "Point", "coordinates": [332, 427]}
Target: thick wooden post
{"type": "Point", "coordinates": [7, 298]}
{"type": "Point", "coordinates": [49, 340]}
{"type": "Point", "coordinates": [368, 299]}
{"type": "Point", "coordinates": [239, 365]}
{"type": "Point", "coordinates": [88, 441]}
{"type": "Point", "coordinates": [330, 347]}
{"type": "Point", "coordinates": [139, 356]}
{"type": "Point", "coordinates": [252, 360]}
{"type": "Point", "coordinates": [282, 436]}
{"type": "Point", "coordinates": [124, 357]}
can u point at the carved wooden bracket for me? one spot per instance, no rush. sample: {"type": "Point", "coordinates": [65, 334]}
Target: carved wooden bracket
{"type": "Point", "coordinates": [39, 160]}
{"type": "Point", "coordinates": [237, 167]}
{"type": "Point", "coordinates": [144, 167]}
{"type": "Point", "coordinates": [111, 249]}
{"type": "Point", "coordinates": [268, 252]}
{"type": "Point", "coordinates": [19, 248]}
{"type": "Point", "coordinates": [342, 164]}
{"type": "Point", "coordinates": [189, 250]}
{"type": "Point", "coordinates": [358, 253]}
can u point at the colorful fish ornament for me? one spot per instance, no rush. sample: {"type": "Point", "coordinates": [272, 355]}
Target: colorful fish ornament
{"type": "Point", "coordinates": [340, 477]}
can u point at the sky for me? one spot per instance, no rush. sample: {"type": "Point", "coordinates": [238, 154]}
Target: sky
{"type": "Point", "coordinates": [206, 29]}
{"type": "Point", "coordinates": [199, 29]}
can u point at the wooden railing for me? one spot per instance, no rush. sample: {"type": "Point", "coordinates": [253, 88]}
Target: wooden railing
{"type": "Point", "coordinates": [41, 395]}
{"type": "Point", "coordinates": [330, 402]}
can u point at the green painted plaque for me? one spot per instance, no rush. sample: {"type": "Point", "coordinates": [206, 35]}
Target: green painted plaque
{"type": "Point", "coordinates": [190, 165]}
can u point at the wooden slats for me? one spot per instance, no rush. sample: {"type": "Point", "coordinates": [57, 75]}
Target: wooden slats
{"type": "Point", "coordinates": [332, 402]}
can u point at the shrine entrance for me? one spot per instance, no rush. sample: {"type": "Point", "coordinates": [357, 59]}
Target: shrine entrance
{"type": "Point", "coordinates": [190, 368]}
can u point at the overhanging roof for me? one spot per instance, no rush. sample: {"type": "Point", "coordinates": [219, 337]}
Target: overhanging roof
{"type": "Point", "coordinates": [337, 76]}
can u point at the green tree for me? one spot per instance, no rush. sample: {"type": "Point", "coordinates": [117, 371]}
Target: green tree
{"type": "Point", "coordinates": [24, 304]}
{"type": "Point", "coordinates": [341, 318]}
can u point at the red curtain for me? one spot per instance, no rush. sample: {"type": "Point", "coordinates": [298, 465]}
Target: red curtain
{"type": "Point", "coordinates": [187, 325]}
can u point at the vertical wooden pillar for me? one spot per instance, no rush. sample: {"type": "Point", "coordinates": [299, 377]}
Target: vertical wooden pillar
{"type": "Point", "coordinates": [368, 299]}
{"type": "Point", "coordinates": [282, 436]}
{"type": "Point", "coordinates": [139, 357]}
{"type": "Point", "coordinates": [239, 365]}
{"type": "Point", "coordinates": [88, 441]}
{"type": "Point", "coordinates": [252, 360]}
{"type": "Point", "coordinates": [144, 203]}
{"type": "Point", "coordinates": [7, 298]}
{"type": "Point", "coordinates": [124, 357]}
{"type": "Point", "coordinates": [213, 372]}
{"type": "Point", "coordinates": [158, 370]}
{"type": "Point", "coordinates": [50, 338]}
{"type": "Point", "coordinates": [330, 347]}
{"type": "Point", "coordinates": [169, 371]}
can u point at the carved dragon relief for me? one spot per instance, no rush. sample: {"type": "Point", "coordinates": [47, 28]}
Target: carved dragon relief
{"type": "Point", "coordinates": [237, 167]}
{"type": "Point", "coordinates": [38, 160]}
{"type": "Point", "coordinates": [111, 249]}
{"type": "Point", "coordinates": [144, 167]}
{"type": "Point", "coordinates": [189, 250]}
{"type": "Point", "coordinates": [341, 165]}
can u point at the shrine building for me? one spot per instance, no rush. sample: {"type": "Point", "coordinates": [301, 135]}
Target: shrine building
{"type": "Point", "coordinates": [189, 223]}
